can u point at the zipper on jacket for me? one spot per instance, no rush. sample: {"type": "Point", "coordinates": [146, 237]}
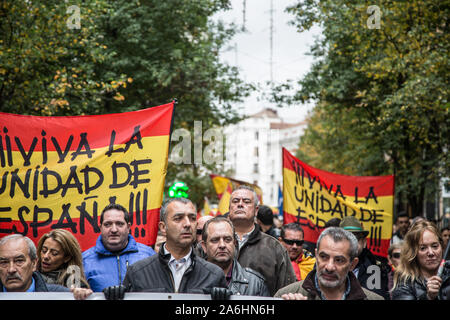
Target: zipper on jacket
{"type": "Point", "coordinates": [118, 267]}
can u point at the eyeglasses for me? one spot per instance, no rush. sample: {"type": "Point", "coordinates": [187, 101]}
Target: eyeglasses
{"type": "Point", "coordinates": [396, 255]}
{"type": "Point", "coordinates": [291, 242]}
{"type": "Point", "coordinates": [199, 231]}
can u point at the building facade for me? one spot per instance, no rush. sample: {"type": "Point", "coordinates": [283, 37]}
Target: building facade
{"type": "Point", "coordinates": [253, 150]}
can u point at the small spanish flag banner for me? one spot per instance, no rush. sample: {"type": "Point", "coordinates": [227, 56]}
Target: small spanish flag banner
{"type": "Point", "coordinates": [222, 184]}
{"type": "Point", "coordinates": [60, 172]}
{"type": "Point", "coordinates": [313, 196]}
{"type": "Point", "coordinates": [224, 202]}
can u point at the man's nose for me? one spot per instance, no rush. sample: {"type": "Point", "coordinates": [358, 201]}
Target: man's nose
{"type": "Point", "coordinates": [330, 266]}
{"type": "Point", "coordinates": [11, 268]}
{"type": "Point", "coordinates": [186, 222]}
{"type": "Point", "coordinates": [221, 243]}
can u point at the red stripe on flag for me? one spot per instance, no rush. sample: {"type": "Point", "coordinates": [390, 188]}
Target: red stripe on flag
{"type": "Point", "coordinates": [145, 234]}
{"type": "Point", "coordinates": [152, 121]}
{"type": "Point", "coordinates": [382, 185]}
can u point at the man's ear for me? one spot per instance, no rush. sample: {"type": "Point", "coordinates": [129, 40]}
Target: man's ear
{"type": "Point", "coordinates": [203, 245]}
{"type": "Point", "coordinates": [34, 264]}
{"type": "Point", "coordinates": [354, 263]}
{"type": "Point", "coordinates": [162, 226]}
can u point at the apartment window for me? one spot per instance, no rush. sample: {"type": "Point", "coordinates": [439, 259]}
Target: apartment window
{"type": "Point", "coordinates": [256, 135]}
{"type": "Point", "coordinates": [255, 168]}
{"type": "Point", "coordinates": [256, 152]}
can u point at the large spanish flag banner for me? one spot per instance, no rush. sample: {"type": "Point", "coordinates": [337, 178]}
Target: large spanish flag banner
{"type": "Point", "coordinates": [313, 196]}
{"type": "Point", "coordinates": [60, 172]}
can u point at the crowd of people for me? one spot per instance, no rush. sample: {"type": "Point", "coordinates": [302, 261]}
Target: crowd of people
{"type": "Point", "coordinates": [239, 253]}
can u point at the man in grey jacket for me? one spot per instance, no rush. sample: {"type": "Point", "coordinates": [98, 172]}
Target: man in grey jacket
{"type": "Point", "coordinates": [220, 245]}
{"type": "Point", "coordinates": [257, 250]}
{"type": "Point", "coordinates": [175, 268]}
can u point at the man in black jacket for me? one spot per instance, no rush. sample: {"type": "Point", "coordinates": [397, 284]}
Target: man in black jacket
{"type": "Point", "coordinates": [219, 244]}
{"type": "Point", "coordinates": [372, 273]}
{"type": "Point", "coordinates": [175, 268]}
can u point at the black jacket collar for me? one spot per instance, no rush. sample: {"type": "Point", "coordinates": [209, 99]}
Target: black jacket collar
{"type": "Point", "coordinates": [356, 292]}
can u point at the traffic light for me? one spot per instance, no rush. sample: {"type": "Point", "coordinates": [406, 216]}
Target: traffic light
{"type": "Point", "coordinates": [178, 190]}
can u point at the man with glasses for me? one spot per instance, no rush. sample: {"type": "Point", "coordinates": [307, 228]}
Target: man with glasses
{"type": "Point", "coordinates": [292, 239]}
{"type": "Point", "coordinates": [198, 242]}
{"type": "Point", "coordinates": [371, 272]}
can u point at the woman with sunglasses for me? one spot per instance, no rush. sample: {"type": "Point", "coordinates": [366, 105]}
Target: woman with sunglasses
{"type": "Point", "coordinates": [419, 276]}
{"type": "Point", "coordinates": [393, 260]}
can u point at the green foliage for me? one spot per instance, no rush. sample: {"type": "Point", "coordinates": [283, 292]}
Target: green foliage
{"type": "Point", "coordinates": [382, 99]}
{"type": "Point", "coordinates": [126, 55]}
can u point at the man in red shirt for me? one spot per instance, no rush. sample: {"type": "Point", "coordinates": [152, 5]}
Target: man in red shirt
{"type": "Point", "coordinates": [292, 239]}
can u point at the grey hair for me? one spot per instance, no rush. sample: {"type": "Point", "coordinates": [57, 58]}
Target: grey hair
{"type": "Point", "coordinates": [255, 195]}
{"type": "Point", "coordinates": [338, 235]}
{"type": "Point", "coordinates": [31, 247]}
{"type": "Point", "coordinates": [163, 211]}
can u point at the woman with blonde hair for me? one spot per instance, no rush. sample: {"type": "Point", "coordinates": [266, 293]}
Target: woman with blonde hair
{"type": "Point", "coordinates": [416, 277]}
{"type": "Point", "coordinates": [60, 260]}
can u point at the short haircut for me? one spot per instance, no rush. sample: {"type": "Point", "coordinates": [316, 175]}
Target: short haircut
{"type": "Point", "coordinates": [31, 247]}
{"type": "Point", "coordinates": [338, 235]}
{"type": "Point", "coordinates": [255, 195]}
{"type": "Point", "coordinates": [216, 220]}
{"type": "Point", "coordinates": [163, 211]}
{"type": "Point", "coordinates": [265, 215]}
{"type": "Point", "coordinates": [401, 214]}
{"type": "Point", "coordinates": [334, 222]}
{"type": "Point", "coordinates": [294, 226]}
{"type": "Point", "coordinates": [118, 207]}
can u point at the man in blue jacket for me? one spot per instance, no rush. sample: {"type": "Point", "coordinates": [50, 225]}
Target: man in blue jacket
{"type": "Point", "coordinates": [106, 263]}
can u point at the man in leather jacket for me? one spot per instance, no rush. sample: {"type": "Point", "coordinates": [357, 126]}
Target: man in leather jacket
{"type": "Point", "coordinates": [220, 245]}
{"type": "Point", "coordinates": [176, 268]}
{"type": "Point", "coordinates": [258, 250]}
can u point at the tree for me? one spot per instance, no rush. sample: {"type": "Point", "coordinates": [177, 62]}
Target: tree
{"type": "Point", "coordinates": [122, 56]}
{"type": "Point", "coordinates": [381, 93]}
{"type": "Point", "coordinates": [47, 59]}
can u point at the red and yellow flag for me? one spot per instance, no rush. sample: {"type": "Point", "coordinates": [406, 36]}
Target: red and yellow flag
{"type": "Point", "coordinates": [60, 172]}
{"type": "Point", "coordinates": [313, 196]}
{"type": "Point", "coordinates": [224, 202]}
{"type": "Point", "coordinates": [221, 184]}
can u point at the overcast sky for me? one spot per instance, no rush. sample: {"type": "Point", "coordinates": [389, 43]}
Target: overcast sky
{"type": "Point", "coordinates": [290, 48]}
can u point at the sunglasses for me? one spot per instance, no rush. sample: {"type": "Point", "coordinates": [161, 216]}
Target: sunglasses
{"type": "Point", "coordinates": [396, 255]}
{"type": "Point", "coordinates": [291, 242]}
{"type": "Point", "coordinates": [199, 231]}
